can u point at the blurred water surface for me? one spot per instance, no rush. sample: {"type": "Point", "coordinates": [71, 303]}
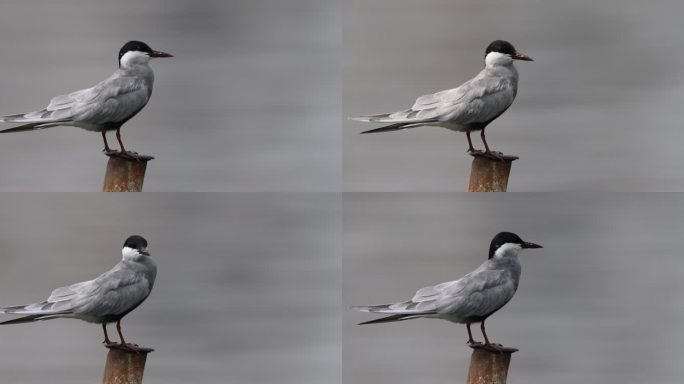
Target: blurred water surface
{"type": "Point", "coordinates": [600, 303]}
{"type": "Point", "coordinates": [250, 102]}
{"type": "Point", "coordinates": [599, 109]}
{"type": "Point", "coordinates": [247, 289]}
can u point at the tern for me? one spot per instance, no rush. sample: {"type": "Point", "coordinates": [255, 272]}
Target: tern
{"type": "Point", "coordinates": [470, 299]}
{"type": "Point", "coordinates": [105, 299]}
{"type": "Point", "coordinates": [470, 107]}
{"type": "Point", "coordinates": [104, 107]}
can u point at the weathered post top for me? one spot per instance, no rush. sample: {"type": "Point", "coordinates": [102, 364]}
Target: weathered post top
{"type": "Point", "coordinates": [489, 173]}
{"type": "Point", "coordinates": [489, 365]}
{"type": "Point", "coordinates": [125, 172]}
{"type": "Point", "coordinates": [125, 365]}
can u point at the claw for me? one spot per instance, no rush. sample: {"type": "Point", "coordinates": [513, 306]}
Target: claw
{"type": "Point", "coordinates": [495, 155]}
{"type": "Point", "coordinates": [496, 347]}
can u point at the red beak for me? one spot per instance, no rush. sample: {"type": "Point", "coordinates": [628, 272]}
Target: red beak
{"type": "Point", "coordinates": [520, 56]}
{"type": "Point", "coordinates": [160, 54]}
{"type": "Point", "coordinates": [145, 252]}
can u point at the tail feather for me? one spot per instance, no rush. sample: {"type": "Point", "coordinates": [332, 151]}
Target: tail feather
{"type": "Point", "coordinates": [389, 319]}
{"type": "Point", "coordinates": [25, 319]}
{"type": "Point", "coordinates": [33, 120]}
{"type": "Point", "coordinates": [43, 308]}
{"type": "Point", "coordinates": [43, 115]}
{"type": "Point", "coordinates": [371, 118]}
{"type": "Point", "coordinates": [392, 318]}
{"type": "Point", "coordinates": [381, 118]}
{"type": "Point", "coordinates": [32, 318]}
{"type": "Point", "coordinates": [389, 128]}
{"type": "Point", "coordinates": [24, 128]}
{"type": "Point", "coordinates": [12, 118]}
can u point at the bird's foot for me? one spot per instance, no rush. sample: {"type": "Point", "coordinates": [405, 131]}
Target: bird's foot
{"type": "Point", "coordinates": [472, 342]}
{"type": "Point", "coordinates": [495, 155]}
{"type": "Point", "coordinates": [494, 347]}
{"type": "Point", "coordinates": [112, 152]}
{"type": "Point", "coordinates": [129, 347]}
{"type": "Point", "coordinates": [128, 155]}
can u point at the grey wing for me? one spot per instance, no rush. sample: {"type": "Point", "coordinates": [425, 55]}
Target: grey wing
{"type": "Point", "coordinates": [112, 293]}
{"type": "Point", "coordinates": [478, 294]}
{"type": "Point", "coordinates": [59, 302]}
{"type": "Point", "coordinates": [117, 101]}
{"type": "Point", "coordinates": [425, 109]}
{"type": "Point", "coordinates": [424, 302]}
{"type": "Point", "coordinates": [116, 292]}
{"type": "Point", "coordinates": [478, 100]}
{"type": "Point", "coordinates": [112, 100]}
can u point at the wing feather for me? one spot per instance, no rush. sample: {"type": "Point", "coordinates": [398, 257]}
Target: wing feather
{"type": "Point", "coordinates": [113, 100]}
{"type": "Point", "coordinates": [478, 100]}
{"type": "Point", "coordinates": [478, 293]}
{"type": "Point", "coordinates": [113, 293]}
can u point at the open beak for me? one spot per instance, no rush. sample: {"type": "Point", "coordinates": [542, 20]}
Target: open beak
{"type": "Point", "coordinates": [145, 252]}
{"type": "Point", "coordinates": [520, 56]}
{"type": "Point", "coordinates": [531, 245]}
{"type": "Point", "coordinates": [160, 54]}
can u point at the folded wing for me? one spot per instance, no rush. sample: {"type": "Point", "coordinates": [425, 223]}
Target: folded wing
{"type": "Point", "coordinates": [113, 100]}
{"type": "Point", "coordinates": [477, 101]}
{"type": "Point", "coordinates": [477, 294]}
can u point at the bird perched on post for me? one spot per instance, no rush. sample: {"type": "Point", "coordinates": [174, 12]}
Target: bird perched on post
{"type": "Point", "coordinates": [105, 299]}
{"type": "Point", "coordinates": [470, 107]}
{"type": "Point", "coordinates": [104, 107]}
{"type": "Point", "coordinates": [470, 299]}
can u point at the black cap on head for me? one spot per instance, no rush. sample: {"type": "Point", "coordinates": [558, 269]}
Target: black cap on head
{"type": "Point", "coordinates": [501, 46]}
{"type": "Point", "coordinates": [508, 238]}
{"type": "Point", "coordinates": [134, 46]}
{"type": "Point", "coordinates": [136, 242]}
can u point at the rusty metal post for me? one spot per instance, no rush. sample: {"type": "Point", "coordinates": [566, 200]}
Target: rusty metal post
{"type": "Point", "coordinates": [489, 173]}
{"type": "Point", "coordinates": [125, 173]}
{"type": "Point", "coordinates": [489, 365]}
{"type": "Point", "coordinates": [125, 366]}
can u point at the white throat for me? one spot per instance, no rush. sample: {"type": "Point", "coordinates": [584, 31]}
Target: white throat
{"type": "Point", "coordinates": [129, 253]}
{"type": "Point", "coordinates": [507, 250]}
{"type": "Point", "coordinates": [497, 58]}
{"type": "Point", "coordinates": [132, 58]}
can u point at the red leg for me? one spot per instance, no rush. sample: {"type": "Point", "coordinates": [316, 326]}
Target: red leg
{"type": "Point", "coordinates": [126, 346]}
{"type": "Point", "coordinates": [106, 340]}
{"type": "Point", "coordinates": [470, 335]}
{"type": "Point", "coordinates": [118, 137]}
{"type": "Point", "coordinates": [118, 329]}
{"type": "Point", "coordinates": [496, 347]}
{"type": "Point", "coordinates": [470, 142]}
{"type": "Point", "coordinates": [104, 138]}
{"type": "Point", "coordinates": [485, 143]}
{"type": "Point", "coordinates": [482, 327]}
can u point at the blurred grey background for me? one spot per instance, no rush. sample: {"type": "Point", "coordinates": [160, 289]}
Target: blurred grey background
{"type": "Point", "coordinates": [601, 303]}
{"type": "Point", "coordinates": [251, 101]}
{"type": "Point", "coordinates": [599, 109]}
{"type": "Point", "coordinates": [248, 289]}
